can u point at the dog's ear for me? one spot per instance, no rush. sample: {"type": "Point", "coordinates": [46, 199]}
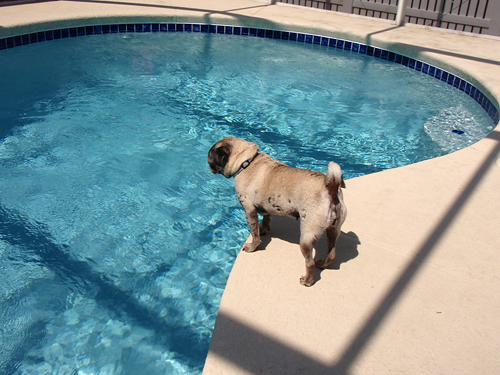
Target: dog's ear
{"type": "Point", "coordinates": [218, 157]}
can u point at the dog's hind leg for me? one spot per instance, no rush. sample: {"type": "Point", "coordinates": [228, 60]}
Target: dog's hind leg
{"type": "Point", "coordinates": [332, 234]}
{"type": "Point", "coordinates": [306, 246]}
{"type": "Point", "coordinates": [266, 224]}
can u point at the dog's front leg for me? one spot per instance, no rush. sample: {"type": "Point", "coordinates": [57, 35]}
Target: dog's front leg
{"type": "Point", "coordinates": [253, 223]}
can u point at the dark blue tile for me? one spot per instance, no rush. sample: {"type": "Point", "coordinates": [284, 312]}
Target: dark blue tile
{"type": "Point", "coordinates": [179, 27]}
{"type": "Point", "coordinates": [40, 36]}
{"type": "Point", "coordinates": [115, 29]}
{"type": "Point", "coordinates": [155, 27]}
{"type": "Point", "coordinates": [130, 28]}
{"type": "Point", "coordinates": [398, 58]}
{"type": "Point", "coordinates": [362, 49]}
{"type": "Point", "coordinates": [370, 50]}
{"type": "Point", "coordinates": [229, 30]}
{"type": "Point", "coordinates": [316, 39]}
{"type": "Point", "coordinates": [221, 29]}
{"type": "Point", "coordinates": [147, 28]}
{"type": "Point", "coordinates": [97, 29]}
{"type": "Point", "coordinates": [411, 63]}
{"type": "Point", "coordinates": [237, 30]}
{"type": "Point", "coordinates": [73, 32]}
{"type": "Point", "coordinates": [425, 68]}
{"type": "Point", "coordinates": [245, 31]}
{"type": "Point", "coordinates": [467, 88]}
{"type": "Point", "coordinates": [325, 41]}
{"type": "Point", "coordinates": [122, 28]}
{"type": "Point", "coordinates": [332, 43]}
{"type": "Point", "coordinates": [495, 116]}
{"type": "Point", "coordinates": [261, 33]}
{"type": "Point", "coordinates": [340, 44]}
{"type": "Point", "coordinates": [355, 47]}
{"type": "Point", "coordinates": [384, 54]}
{"type": "Point", "coordinates": [33, 38]}
{"type": "Point", "coordinates": [212, 29]}
{"type": "Point", "coordinates": [309, 39]}
{"type": "Point", "coordinates": [106, 29]}
{"type": "Point", "coordinates": [472, 92]}
{"type": "Point", "coordinates": [25, 39]}
{"type": "Point", "coordinates": [139, 28]}
{"type": "Point", "coordinates": [391, 56]}
{"type": "Point", "coordinates": [285, 35]}
{"type": "Point", "coordinates": [252, 32]}
{"type": "Point", "coordinates": [188, 28]}
{"type": "Point", "coordinates": [480, 98]}
{"type": "Point", "coordinates": [451, 79]}
{"type": "Point", "coordinates": [347, 45]}
{"type": "Point", "coordinates": [293, 37]}
{"type": "Point", "coordinates": [488, 106]}
{"type": "Point", "coordinates": [49, 35]}
{"type": "Point", "coordinates": [80, 31]}
{"type": "Point", "coordinates": [10, 42]}
{"type": "Point", "coordinates": [438, 73]}
{"type": "Point", "coordinates": [171, 27]}
{"type": "Point", "coordinates": [377, 53]}
{"type": "Point", "coordinates": [276, 34]}
{"type": "Point", "coordinates": [444, 76]}
{"type": "Point", "coordinates": [3, 44]}
{"type": "Point", "coordinates": [456, 83]}
{"type": "Point", "coordinates": [89, 30]}
{"type": "Point", "coordinates": [269, 34]}
{"type": "Point", "coordinates": [301, 38]}
{"type": "Point", "coordinates": [432, 71]}
{"type": "Point", "coordinates": [18, 40]}
{"type": "Point", "coordinates": [405, 61]}
{"type": "Point", "coordinates": [196, 28]}
{"type": "Point", "coordinates": [418, 66]}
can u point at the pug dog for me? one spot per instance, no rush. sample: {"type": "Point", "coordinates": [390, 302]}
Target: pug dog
{"type": "Point", "coordinates": [269, 187]}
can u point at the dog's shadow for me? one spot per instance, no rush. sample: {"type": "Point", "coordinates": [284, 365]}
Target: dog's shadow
{"type": "Point", "coordinates": [288, 229]}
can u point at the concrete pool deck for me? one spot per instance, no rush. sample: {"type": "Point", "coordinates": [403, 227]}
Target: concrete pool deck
{"type": "Point", "coordinates": [415, 287]}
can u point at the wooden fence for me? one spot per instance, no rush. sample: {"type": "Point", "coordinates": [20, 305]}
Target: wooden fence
{"type": "Point", "coordinates": [476, 16]}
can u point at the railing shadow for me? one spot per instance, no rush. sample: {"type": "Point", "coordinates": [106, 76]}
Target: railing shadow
{"type": "Point", "coordinates": [258, 353]}
{"type": "Point", "coordinates": [78, 275]}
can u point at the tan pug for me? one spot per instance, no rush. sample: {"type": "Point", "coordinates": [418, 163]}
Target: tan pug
{"type": "Point", "coordinates": [269, 187]}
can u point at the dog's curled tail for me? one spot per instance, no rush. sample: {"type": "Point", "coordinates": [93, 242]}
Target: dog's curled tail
{"type": "Point", "coordinates": [334, 180]}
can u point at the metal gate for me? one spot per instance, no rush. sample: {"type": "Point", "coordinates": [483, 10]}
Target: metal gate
{"type": "Point", "coordinates": [476, 16]}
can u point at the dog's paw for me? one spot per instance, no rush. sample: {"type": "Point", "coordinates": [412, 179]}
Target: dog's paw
{"type": "Point", "coordinates": [249, 247]}
{"type": "Point", "coordinates": [306, 281]}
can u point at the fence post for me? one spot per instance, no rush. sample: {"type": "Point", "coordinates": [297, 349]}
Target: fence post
{"type": "Point", "coordinates": [494, 15]}
{"type": "Point", "coordinates": [400, 15]}
{"type": "Point", "coordinates": [346, 6]}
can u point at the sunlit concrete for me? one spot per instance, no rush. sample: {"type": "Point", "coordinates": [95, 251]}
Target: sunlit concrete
{"type": "Point", "coordinates": [415, 288]}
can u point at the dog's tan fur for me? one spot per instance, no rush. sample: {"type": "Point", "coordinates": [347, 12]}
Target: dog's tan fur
{"type": "Point", "coordinates": [269, 187]}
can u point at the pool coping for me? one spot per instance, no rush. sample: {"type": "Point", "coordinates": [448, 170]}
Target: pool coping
{"type": "Point", "coordinates": [415, 287]}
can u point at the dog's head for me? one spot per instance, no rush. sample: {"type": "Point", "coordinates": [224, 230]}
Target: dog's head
{"type": "Point", "coordinates": [227, 155]}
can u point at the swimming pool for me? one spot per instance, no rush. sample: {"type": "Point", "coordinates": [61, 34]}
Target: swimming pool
{"type": "Point", "coordinates": [116, 239]}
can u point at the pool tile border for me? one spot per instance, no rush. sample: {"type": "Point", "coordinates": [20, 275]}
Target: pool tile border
{"type": "Point", "coordinates": [346, 45]}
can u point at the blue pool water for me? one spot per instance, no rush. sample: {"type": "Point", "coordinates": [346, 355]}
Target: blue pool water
{"type": "Point", "coordinates": [116, 241]}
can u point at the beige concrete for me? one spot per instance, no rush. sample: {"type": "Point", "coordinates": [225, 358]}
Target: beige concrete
{"type": "Point", "coordinates": [415, 288]}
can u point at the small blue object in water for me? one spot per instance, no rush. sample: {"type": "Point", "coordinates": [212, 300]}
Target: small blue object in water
{"type": "Point", "coordinates": [458, 131]}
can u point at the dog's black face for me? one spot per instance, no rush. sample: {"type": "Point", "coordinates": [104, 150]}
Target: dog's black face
{"type": "Point", "coordinates": [218, 157]}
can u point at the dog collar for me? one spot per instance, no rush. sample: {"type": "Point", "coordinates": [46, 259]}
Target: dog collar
{"type": "Point", "coordinates": [245, 164]}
